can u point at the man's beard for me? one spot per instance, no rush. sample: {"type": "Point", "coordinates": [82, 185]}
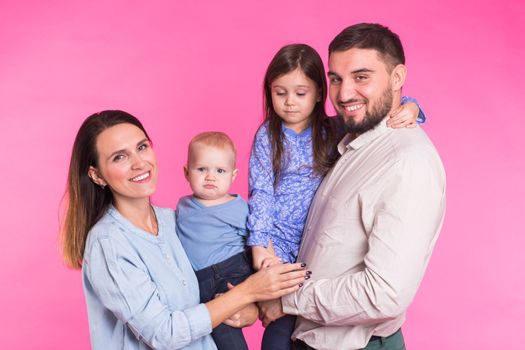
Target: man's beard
{"type": "Point", "coordinates": [374, 116]}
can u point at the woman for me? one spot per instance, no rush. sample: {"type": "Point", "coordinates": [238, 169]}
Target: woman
{"type": "Point", "coordinates": [140, 288]}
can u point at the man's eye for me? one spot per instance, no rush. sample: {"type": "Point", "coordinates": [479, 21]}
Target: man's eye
{"type": "Point", "coordinates": [335, 81]}
{"type": "Point", "coordinates": [143, 146]}
{"type": "Point", "coordinates": [361, 77]}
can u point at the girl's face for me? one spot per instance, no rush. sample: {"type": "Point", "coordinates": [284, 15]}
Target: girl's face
{"type": "Point", "coordinates": [294, 96]}
{"type": "Point", "coordinates": [126, 163]}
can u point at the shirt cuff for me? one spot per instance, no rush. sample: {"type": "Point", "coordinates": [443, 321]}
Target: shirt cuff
{"type": "Point", "coordinates": [199, 320]}
{"type": "Point", "coordinates": [289, 304]}
{"type": "Point", "coordinates": [421, 117]}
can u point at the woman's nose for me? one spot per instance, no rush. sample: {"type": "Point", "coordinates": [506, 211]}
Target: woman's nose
{"type": "Point", "coordinates": [137, 162]}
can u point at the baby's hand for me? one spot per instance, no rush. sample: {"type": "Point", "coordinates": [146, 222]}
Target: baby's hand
{"type": "Point", "coordinates": [404, 116]}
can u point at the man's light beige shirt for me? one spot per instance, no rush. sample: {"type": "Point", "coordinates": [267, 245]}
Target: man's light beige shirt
{"type": "Point", "coordinates": [368, 238]}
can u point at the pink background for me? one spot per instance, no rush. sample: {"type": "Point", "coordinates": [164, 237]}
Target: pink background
{"type": "Point", "coordinates": [186, 67]}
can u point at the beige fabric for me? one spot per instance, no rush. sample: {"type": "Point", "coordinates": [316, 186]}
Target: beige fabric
{"type": "Point", "coordinates": [368, 238]}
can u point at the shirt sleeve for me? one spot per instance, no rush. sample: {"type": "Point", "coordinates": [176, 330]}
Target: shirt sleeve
{"type": "Point", "coordinates": [261, 191]}
{"type": "Point", "coordinates": [125, 288]}
{"type": "Point", "coordinates": [421, 117]}
{"type": "Point", "coordinates": [407, 220]}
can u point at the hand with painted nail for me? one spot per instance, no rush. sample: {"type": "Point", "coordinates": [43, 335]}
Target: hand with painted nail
{"type": "Point", "coordinates": [274, 281]}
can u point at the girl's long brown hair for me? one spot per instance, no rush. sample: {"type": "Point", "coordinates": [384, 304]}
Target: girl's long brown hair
{"type": "Point", "coordinates": [87, 202]}
{"type": "Point", "coordinates": [286, 60]}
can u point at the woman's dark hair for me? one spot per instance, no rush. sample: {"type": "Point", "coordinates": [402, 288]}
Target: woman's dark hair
{"type": "Point", "coordinates": [286, 60]}
{"type": "Point", "coordinates": [86, 201]}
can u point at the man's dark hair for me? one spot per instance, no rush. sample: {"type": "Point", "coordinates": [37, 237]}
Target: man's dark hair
{"type": "Point", "coordinates": [371, 36]}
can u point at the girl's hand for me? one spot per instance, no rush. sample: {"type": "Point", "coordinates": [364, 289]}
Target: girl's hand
{"type": "Point", "coordinates": [404, 116]}
{"type": "Point", "coordinates": [260, 254]}
{"type": "Point", "coordinates": [270, 261]}
{"type": "Point", "coordinates": [245, 317]}
{"type": "Point", "coordinates": [274, 282]}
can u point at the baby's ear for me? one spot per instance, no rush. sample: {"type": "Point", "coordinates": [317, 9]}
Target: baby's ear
{"type": "Point", "coordinates": [186, 174]}
{"type": "Point", "coordinates": [234, 173]}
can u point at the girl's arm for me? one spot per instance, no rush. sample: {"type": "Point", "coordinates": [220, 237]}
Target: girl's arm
{"type": "Point", "coordinates": [261, 199]}
{"type": "Point", "coordinates": [408, 115]}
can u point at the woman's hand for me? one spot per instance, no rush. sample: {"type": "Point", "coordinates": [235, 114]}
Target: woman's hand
{"type": "Point", "coordinates": [404, 116]}
{"type": "Point", "coordinates": [274, 281]}
{"type": "Point", "coordinates": [246, 317]}
{"type": "Point", "coordinates": [269, 283]}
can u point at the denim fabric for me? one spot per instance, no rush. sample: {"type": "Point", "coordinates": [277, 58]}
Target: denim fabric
{"type": "Point", "coordinates": [212, 280]}
{"type": "Point", "coordinates": [277, 336]}
{"type": "Point", "coordinates": [141, 291]}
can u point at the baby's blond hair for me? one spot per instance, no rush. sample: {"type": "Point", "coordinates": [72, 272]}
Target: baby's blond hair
{"type": "Point", "coordinates": [216, 139]}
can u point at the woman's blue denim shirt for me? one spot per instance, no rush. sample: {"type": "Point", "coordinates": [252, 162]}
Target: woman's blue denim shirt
{"type": "Point", "coordinates": [141, 291]}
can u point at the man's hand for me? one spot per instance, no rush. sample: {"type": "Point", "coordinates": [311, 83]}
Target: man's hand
{"type": "Point", "coordinates": [270, 311]}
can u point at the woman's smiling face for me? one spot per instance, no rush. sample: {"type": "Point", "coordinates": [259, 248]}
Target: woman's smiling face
{"type": "Point", "coordinates": [126, 163]}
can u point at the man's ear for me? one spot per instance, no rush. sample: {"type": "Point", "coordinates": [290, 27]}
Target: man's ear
{"type": "Point", "coordinates": [398, 77]}
{"type": "Point", "coordinates": [234, 173]}
{"type": "Point", "coordinates": [94, 175]}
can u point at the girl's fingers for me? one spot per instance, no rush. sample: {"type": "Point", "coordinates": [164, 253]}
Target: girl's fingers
{"type": "Point", "coordinates": [399, 123]}
{"type": "Point", "coordinates": [395, 111]}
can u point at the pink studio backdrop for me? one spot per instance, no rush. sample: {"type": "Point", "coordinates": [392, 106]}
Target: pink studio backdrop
{"type": "Point", "coordinates": [186, 67]}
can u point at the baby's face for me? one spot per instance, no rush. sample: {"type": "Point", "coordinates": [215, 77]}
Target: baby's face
{"type": "Point", "coordinates": [210, 172]}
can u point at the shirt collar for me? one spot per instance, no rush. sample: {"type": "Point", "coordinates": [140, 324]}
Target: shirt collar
{"type": "Point", "coordinates": [289, 132]}
{"type": "Point", "coordinates": [347, 142]}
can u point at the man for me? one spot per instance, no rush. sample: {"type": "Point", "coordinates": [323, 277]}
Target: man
{"type": "Point", "coordinates": [375, 218]}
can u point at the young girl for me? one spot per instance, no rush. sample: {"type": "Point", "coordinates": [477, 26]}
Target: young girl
{"type": "Point", "coordinates": [292, 151]}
